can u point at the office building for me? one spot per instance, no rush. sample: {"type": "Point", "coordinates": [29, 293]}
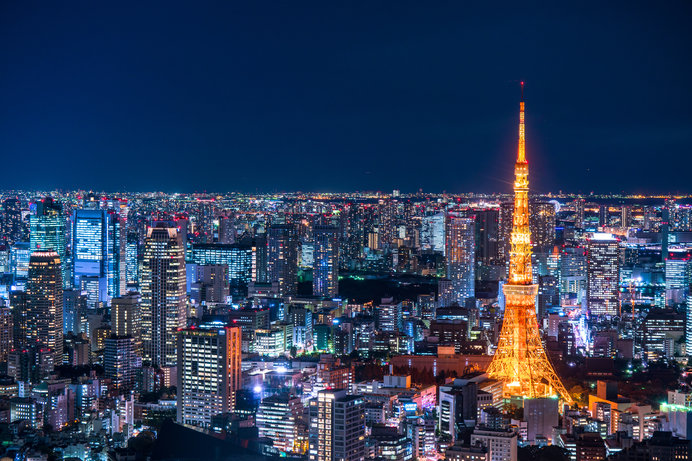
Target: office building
{"type": "Point", "coordinates": [339, 427]}
{"type": "Point", "coordinates": [282, 257]}
{"type": "Point", "coordinates": [13, 228]}
{"type": "Point", "coordinates": [325, 272]}
{"type": "Point", "coordinates": [237, 257]}
{"type": "Point", "coordinates": [18, 306]}
{"type": "Point", "coordinates": [603, 275]}
{"type": "Point", "coordinates": [460, 253]}
{"type": "Point", "coordinates": [6, 333]}
{"type": "Point", "coordinates": [208, 283]}
{"type": "Point", "coordinates": [432, 233]}
{"type": "Point", "coordinates": [163, 293]}
{"type": "Point", "coordinates": [280, 419]}
{"type": "Point", "coordinates": [126, 319]}
{"type": "Point", "coordinates": [208, 372]}
{"type": "Point", "coordinates": [44, 298]}
{"type": "Point", "coordinates": [47, 232]}
{"type": "Point", "coordinates": [74, 318]}
{"type": "Point", "coordinates": [501, 445]}
{"type": "Point", "coordinates": [120, 361]}
{"type": "Point", "coordinates": [90, 254]}
{"type": "Point", "coordinates": [132, 258]}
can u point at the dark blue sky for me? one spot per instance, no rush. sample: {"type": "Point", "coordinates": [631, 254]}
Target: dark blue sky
{"type": "Point", "coordinates": [300, 95]}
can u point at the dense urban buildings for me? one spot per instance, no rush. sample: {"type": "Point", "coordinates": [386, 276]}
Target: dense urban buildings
{"type": "Point", "coordinates": [352, 326]}
{"type": "Point", "coordinates": [399, 324]}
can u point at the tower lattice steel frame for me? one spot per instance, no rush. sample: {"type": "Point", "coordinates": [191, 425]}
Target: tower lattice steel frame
{"type": "Point", "coordinates": [520, 360]}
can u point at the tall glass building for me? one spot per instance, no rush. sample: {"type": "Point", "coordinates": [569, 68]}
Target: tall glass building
{"type": "Point", "coordinates": [603, 275]}
{"type": "Point", "coordinates": [238, 258]}
{"type": "Point", "coordinates": [44, 302]}
{"type": "Point", "coordinates": [98, 250]}
{"type": "Point", "coordinates": [47, 232]}
{"type": "Point", "coordinates": [460, 253]}
{"type": "Point", "coordinates": [325, 272]}
{"type": "Point", "coordinates": [208, 372]}
{"type": "Point", "coordinates": [163, 293]}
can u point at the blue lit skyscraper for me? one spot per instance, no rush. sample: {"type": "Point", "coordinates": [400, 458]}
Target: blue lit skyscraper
{"type": "Point", "coordinates": [460, 253]}
{"type": "Point", "coordinates": [98, 252]}
{"type": "Point", "coordinates": [325, 273]}
{"type": "Point", "coordinates": [89, 253]}
{"type": "Point", "coordinates": [47, 232]}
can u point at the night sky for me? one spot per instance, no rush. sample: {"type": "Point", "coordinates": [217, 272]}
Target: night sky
{"type": "Point", "coordinates": [341, 96]}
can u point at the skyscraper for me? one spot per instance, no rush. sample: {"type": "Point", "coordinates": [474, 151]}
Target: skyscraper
{"type": "Point", "coordinates": [603, 275]}
{"type": "Point", "coordinates": [132, 258]}
{"type": "Point", "coordinates": [520, 360]}
{"type": "Point", "coordinates": [432, 233]}
{"type": "Point", "coordinates": [47, 232]}
{"type": "Point", "coordinates": [120, 361]}
{"type": "Point", "coordinates": [208, 372]}
{"type": "Point", "coordinates": [6, 333]}
{"type": "Point", "coordinates": [90, 254]}
{"type": "Point", "coordinates": [282, 257]}
{"type": "Point", "coordinates": [126, 319]}
{"type": "Point", "coordinates": [44, 302]}
{"type": "Point", "coordinates": [460, 253]}
{"type": "Point", "coordinates": [13, 229]}
{"type": "Point", "coordinates": [339, 427]}
{"type": "Point", "coordinates": [325, 273]}
{"type": "Point", "coordinates": [163, 293]}
{"type": "Point", "coordinates": [279, 418]}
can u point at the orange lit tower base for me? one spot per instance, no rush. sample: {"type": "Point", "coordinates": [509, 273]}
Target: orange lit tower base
{"type": "Point", "coordinates": [520, 360]}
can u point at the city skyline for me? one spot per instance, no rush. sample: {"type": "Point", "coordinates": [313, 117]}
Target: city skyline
{"type": "Point", "coordinates": [359, 97]}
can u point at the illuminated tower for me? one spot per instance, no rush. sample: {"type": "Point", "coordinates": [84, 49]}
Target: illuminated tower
{"type": "Point", "coordinates": [44, 302]}
{"type": "Point", "coordinates": [163, 293]}
{"type": "Point", "coordinates": [520, 360]}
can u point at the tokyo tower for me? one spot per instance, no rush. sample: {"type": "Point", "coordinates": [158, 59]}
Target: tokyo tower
{"type": "Point", "coordinates": [520, 361]}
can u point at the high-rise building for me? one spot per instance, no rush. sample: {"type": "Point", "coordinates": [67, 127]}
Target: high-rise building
{"type": "Point", "coordinates": [325, 273]}
{"type": "Point", "coordinates": [74, 319]}
{"type": "Point", "coordinates": [126, 319]}
{"type": "Point", "coordinates": [520, 361]}
{"type": "Point", "coordinates": [226, 232]}
{"type": "Point", "coordinates": [18, 306]}
{"type": "Point", "coordinates": [280, 419]}
{"type": "Point", "coordinates": [432, 233]}
{"type": "Point", "coordinates": [163, 293]}
{"type": "Point", "coordinates": [460, 253]}
{"type": "Point", "coordinates": [238, 258]}
{"type": "Point", "coordinates": [132, 258]}
{"type": "Point", "coordinates": [572, 272]}
{"type": "Point", "coordinates": [542, 224]}
{"type": "Point", "coordinates": [44, 302]}
{"type": "Point", "coordinates": [208, 283]}
{"type": "Point", "coordinates": [488, 263]}
{"type": "Point", "coordinates": [13, 228]}
{"type": "Point", "coordinates": [338, 427]}
{"type": "Point", "coordinates": [90, 253]}
{"type": "Point", "coordinates": [47, 232]}
{"type": "Point", "coordinates": [661, 331]}
{"type": "Point", "coordinates": [208, 372]}
{"type": "Point", "coordinates": [282, 257]}
{"type": "Point", "coordinates": [6, 333]}
{"type": "Point", "coordinates": [678, 275]}
{"type": "Point", "coordinates": [20, 252]}
{"type": "Point", "coordinates": [120, 361]}
{"type": "Point", "coordinates": [603, 275]}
